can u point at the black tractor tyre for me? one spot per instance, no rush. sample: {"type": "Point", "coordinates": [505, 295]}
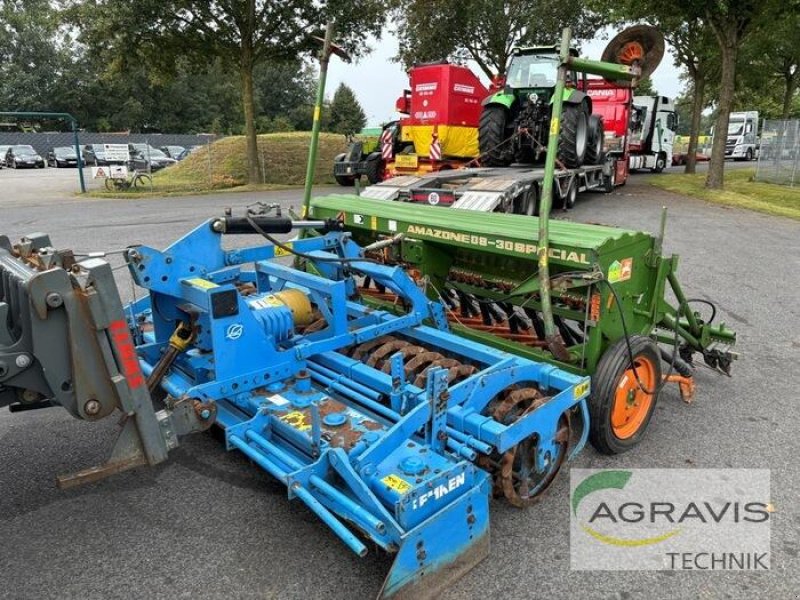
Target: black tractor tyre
{"type": "Point", "coordinates": [344, 180]}
{"type": "Point", "coordinates": [610, 381]}
{"type": "Point", "coordinates": [492, 135]}
{"type": "Point", "coordinates": [374, 170]}
{"type": "Point", "coordinates": [573, 140]}
{"type": "Point", "coordinates": [594, 149]}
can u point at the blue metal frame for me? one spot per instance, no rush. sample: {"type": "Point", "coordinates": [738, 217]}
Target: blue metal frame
{"type": "Point", "coordinates": [365, 450]}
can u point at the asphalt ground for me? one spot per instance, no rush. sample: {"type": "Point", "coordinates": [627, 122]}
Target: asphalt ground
{"type": "Point", "coordinates": [208, 524]}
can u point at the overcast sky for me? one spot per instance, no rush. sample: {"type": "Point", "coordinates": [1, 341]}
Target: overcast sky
{"type": "Point", "coordinates": [378, 81]}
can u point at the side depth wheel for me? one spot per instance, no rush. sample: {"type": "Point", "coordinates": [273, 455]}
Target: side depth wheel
{"type": "Point", "coordinates": [374, 171]}
{"type": "Point", "coordinates": [491, 135]}
{"type": "Point", "coordinates": [345, 181]}
{"type": "Point", "coordinates": [574, 136]}
{"type": "Point", "coordinates": [594, 149]}
{"type": "Point", "coordinates": [619, 408]}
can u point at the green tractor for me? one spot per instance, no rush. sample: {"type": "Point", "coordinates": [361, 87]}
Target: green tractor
{"type": "Point", "coordinates": [515, 121]}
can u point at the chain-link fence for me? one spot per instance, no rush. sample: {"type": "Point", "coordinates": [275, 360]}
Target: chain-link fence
{"type": "Point", "coordinates": [779, 154]}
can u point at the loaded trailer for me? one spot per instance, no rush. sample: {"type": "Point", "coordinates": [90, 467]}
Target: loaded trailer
{"type": "Point", "coordinates": [515, 190]}
{"type": "Point", "coordinates": [518, 122]}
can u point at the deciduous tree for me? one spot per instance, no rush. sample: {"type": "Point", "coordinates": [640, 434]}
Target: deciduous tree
{"type": "Point", "coordinates": [242, 33]}
{"type": "Point", "coordinates": [485, 31]}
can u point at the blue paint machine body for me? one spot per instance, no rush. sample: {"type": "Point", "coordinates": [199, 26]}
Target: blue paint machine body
{"type": "Point", "coordinates": [387, 426]}
{"type": "Point", "coordinates": [334, 408]}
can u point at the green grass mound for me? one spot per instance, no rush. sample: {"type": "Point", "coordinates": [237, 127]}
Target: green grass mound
{"type": "Point", "coordinates": [740, 190]}
{"type": "Point", "coordinates": [282, 161]}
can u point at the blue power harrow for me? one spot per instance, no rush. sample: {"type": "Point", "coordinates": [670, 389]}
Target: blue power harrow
{"type": "Point", "coordinates": [386, 425]}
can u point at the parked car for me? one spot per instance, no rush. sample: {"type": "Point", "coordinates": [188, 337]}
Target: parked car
{"type": "Point", "coordinates": [147, 158]}
{"type": "Point", "coordinates": [95, 155]}
{"type": "Point", "coordinates": [21, 156]}
{"type": "Point", "coordinates": [173, 151]}
{"type": "Point", "coordinates": [3, 150]}
{"type": "Point", "coordinates": [62, 156]}
{"type": "Point", "coordinates": [188, 151]}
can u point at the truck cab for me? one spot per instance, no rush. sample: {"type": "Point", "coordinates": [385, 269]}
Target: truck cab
{"type": "Point", "coordinates": [653, 125]}
{"type": "Point", "coordinates": [741, 142]}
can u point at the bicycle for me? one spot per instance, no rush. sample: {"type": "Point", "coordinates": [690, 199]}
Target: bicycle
{"type": "Point", "coordinates": [135, 180]}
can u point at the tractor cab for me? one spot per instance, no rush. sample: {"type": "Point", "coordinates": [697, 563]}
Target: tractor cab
{"type": "Point", "coordinates": [534, 70]}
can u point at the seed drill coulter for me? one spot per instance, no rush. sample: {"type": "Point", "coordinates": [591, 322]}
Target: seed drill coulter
{"type": "Point", "coordinates": [412, 363]}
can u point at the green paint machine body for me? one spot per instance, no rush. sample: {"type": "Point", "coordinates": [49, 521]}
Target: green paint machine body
{"type": "Point", "coordinates": [600, 276]}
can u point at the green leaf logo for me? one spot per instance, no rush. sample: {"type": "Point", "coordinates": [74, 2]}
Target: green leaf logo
{"type": "Point", "coordinates": [599, 481]}
{"type": "Point", "coordinates": [611, 480]}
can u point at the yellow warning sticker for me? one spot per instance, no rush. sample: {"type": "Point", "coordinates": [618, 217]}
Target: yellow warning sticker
{"type": "Point", "coordinates": [580, 390]}
{"type": "Point", "coordinates": [398, 484]}
{"type": "Point", "coordinates": [281, 251]}
{"type": "Point", "coordinates": [554, 127]}
{"type": "Point", "coordinates": [297, 420]}
{"type": "Point", "coordinates": [374, 222]}
{"type": "Point", "coordinates": [203, 284]}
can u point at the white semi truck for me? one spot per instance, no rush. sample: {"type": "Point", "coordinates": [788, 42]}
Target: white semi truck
{"type": "Point", "coordinates": [653, 125]}
{"type": "Point", "coordinates": [741, 142]}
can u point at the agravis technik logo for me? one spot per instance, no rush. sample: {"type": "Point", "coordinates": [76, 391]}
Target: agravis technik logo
{"type": "Point", "coordinates": [703, 519]}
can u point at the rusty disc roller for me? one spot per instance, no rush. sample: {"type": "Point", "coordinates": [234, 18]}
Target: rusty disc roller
{"type": "Point", "coordinates": [640, 45]}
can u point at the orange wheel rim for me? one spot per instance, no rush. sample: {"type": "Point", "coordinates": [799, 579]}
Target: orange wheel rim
{"type": "Point", "coordinates": [631, 52]}
{"type": "Point", "coordinates": [631, 403]}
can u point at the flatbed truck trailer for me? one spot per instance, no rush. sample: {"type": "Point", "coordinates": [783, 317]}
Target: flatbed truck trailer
{"type": "Point", "coordinates": [512, 190]}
